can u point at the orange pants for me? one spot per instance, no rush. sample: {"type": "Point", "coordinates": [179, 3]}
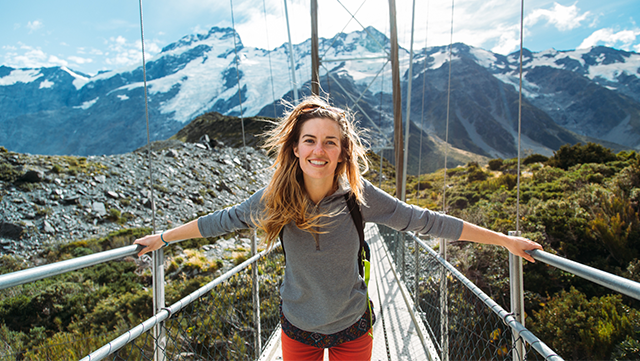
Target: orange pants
{"type": "Point", "coordinates": [356, 350]}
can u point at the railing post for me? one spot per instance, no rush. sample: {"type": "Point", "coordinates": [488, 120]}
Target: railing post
{"type": "Point", "coordinates": [404, 263]}
{"type": "Point", "coordinates": [444, 307]}
{"type": "Point", "coordinates": [517, 298]}
{"type": "Point", "coordinates": [256, 294]}
{"type": "Point", "coordinates": [416, 279]}
{"type": "Point", "coordinates": [159, 333]}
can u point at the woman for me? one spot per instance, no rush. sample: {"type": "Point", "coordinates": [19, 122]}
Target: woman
{"type": "Point", "coordinates": [324, 298]}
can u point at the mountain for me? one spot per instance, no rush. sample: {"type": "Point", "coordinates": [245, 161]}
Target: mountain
{"type": "Point", "coordinates": [568, 96]}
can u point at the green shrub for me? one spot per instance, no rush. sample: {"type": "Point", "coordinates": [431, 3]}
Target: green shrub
{"type": "Point", "coordinates": [568, 156]}
{"type": "Point", "coordinates": [495, 164]}
{"type": "Point", "coordinates": [582, 329]}
{"type": "Point", "coordinates": [535, 158]}
{"type": "Point", "coordinates": [8, 173]}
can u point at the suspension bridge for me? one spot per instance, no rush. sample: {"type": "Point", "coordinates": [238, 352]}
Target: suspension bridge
{"type": "Point", "coordinates": [426, 309]}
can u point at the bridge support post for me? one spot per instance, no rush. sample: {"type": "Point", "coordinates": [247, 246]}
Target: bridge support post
{"type": "Point", "coordinates": [256, 295]}
{"type": "Point", "coordinates": [517, 298]}
{"type": "Point", "coordinates": [159, 333]}
{"type": "Point", "coordinates": [444, 306]}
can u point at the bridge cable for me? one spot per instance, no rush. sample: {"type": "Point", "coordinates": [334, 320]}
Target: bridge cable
{"type": "Point", "coordinates": [237, 60]}
{"type": "Point", "coordinates": [519, 119]}
{"type": "Point", "coordinates": [424, 84]}
{"type": "Point", "coordinates": [146, 113]}
{"type": "Point", "coordinates": [273, 91]}
{"type": "Point", "coordinates": [446, 136]}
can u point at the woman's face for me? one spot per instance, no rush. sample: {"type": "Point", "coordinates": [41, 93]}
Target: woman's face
{"type": "Point", "coordinates": [319, 149]}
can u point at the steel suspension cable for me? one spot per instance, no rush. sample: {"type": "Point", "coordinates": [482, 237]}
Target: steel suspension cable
{"type": "Point", "coordinates": [146, 113]}
{"type": "Point", "coordinates": [237, 60]}
{"type": "Point", "coordinates": [424, 85]}
{"type": "Point", "coordinates": [157, 258]}
{"type": "Point", "coordinates": [403, 192]}
{"type": "Point", "coordinates": [273, 91]}
{"type": "Point", "coordinates": [291, 62]}
{"type": "Point", "coordinates": [519, 118]}
{"type": "Point", "coordinates": [446, 134]}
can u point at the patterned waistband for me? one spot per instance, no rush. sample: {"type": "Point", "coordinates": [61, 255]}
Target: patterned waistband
{"type": "Point", "coordinates": [320, 340]}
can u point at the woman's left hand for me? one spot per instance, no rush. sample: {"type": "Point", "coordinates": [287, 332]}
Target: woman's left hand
{"type": "Point", "coordinates": [518, 246]}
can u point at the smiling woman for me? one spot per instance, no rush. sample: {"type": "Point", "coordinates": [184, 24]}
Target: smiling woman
{"type": "Point", "coordinates": [309, 201]}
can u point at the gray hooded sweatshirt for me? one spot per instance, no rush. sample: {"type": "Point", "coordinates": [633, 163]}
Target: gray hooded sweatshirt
{"type": "Point", "coordinates": [322, 290]}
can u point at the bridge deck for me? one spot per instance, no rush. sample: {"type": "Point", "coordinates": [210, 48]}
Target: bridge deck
{"type": "Point", "coordinates": [396, 334]}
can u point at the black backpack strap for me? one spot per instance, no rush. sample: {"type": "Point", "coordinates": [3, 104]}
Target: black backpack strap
{"type": "Point", "coordinates": [356, 215]}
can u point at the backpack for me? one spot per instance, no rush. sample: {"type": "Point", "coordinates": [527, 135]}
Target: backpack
{"type": "Point", "coordinates": [364, 255]}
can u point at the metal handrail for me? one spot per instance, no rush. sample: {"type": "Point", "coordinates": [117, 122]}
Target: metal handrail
{"type": "Point", "coordinates": [37, 273]}
{"type": "Point", "coordinates": [611, 281]}
{"type": "Point", "coordinates": [517, 327]}
{"type": "Point", "coordinates": [166, 312]}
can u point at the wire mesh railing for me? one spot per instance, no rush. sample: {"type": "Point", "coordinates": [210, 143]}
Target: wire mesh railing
{"type": "Point", "coordinates": [461, 325]}
{"type": "Point", "coordinates": [215, 322]}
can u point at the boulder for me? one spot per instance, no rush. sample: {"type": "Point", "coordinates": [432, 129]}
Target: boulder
{"type": "Point", "coordinates": [10, 230]}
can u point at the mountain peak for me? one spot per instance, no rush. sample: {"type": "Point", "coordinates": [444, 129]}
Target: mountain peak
{"type": "Point", "coordinates": [214, 34]}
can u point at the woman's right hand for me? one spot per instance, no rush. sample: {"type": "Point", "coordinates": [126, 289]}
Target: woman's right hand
{"type": "Point", "coordinates": [151, 242]}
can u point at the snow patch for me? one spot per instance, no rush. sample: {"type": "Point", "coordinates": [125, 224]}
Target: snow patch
{"type": "Point", "coordinates": [439, 59]}
{"type": "Point", "coordinates": [46, 84]}
{"type": "Point", "coordinates": [122, 96]}
{"type": "Point", "coordinates": [485, 58]}
{"type": "Point", "coordinates": [79, 80]}
{"type": "Point", "coordinates": [88, 104]}
{"type": "Point", "coordinates": [612, 71]}
{"type": "Point", "coordinates": [21, 76]}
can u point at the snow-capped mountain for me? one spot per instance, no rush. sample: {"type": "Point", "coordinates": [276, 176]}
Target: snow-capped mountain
{"type": "Point", "coordinates": [569, 96]}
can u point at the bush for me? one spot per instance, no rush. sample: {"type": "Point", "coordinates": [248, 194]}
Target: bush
{"type": "Point", "coordinates": [495, 164]}
{"type": "Point", "coordinates": [535, 158]}
{"type": "Point", "coordinates": [568, 156]}
{"type": "Point", "coordinates": [582, 329]}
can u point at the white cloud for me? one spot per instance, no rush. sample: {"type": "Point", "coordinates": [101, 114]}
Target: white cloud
{"type": "Point", "coordinates": [57, 61]}
{"type": "Point", "coordinates": [623, 39]}
{"type": "Point", "coordinates": [80, 60]}
{"type": "Point", "coordinates": [122, 53]}
{"type": "Point", "coordinates": [30, 57]}
{"type": "Point", "coordinates": [34, 25]}
{"type": "Point", "coordinates": [562, 17]}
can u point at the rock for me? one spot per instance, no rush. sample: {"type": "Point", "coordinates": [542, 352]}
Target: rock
{"type": "Point", "coordinates": [171, 153]}
{"type": "Point", "coordinates": [48, 228]}
{"type": "Point", "coordinates": [71, 200]}
{"type": "Point", "coordinates": [204, 140]}
{"type": "Point", "coordinates": [112, 194]}
{"type": "Point", "coordinates": [32, 176]}
{"type": "Point", "coordinates": [201, 146]}
{"type": "Point", "coordinates": [10, 230]}
{"type": "Point", "coordinates": [98, 209]}
{"type": "Point", "coordinates": [146, 202]}
{"type": "Point", "coordinates": [100, 178]}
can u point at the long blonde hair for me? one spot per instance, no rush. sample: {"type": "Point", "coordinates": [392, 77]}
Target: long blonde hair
{"type": "Point", "coordinates": [285, 199]}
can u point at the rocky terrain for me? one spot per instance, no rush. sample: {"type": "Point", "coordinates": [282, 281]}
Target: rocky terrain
{"type": "Point", "coordinates": [56, 199]}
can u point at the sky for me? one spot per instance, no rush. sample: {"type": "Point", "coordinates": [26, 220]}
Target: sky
{"type": "Point", "coordinates": [98, 35]}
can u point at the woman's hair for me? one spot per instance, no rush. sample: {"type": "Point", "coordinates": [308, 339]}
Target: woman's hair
{"type": "Point", "coordinates": [285, 198]}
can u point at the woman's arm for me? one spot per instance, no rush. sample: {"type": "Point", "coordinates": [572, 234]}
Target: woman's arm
{"type": "Point", "coordinates": [153, 241]}
{"type": "Point", "coordinates": [515, 245]}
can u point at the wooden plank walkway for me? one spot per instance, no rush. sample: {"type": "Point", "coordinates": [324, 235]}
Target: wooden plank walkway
{"type": "Point", "coordinates": [397, 336]}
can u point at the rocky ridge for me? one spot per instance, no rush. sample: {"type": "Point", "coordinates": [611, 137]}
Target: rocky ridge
{"type": "Point", "coordinates": [58, 199]}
